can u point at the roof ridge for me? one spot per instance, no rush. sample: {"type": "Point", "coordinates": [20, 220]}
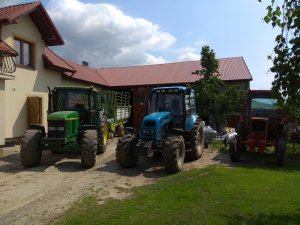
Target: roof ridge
{"type": "Point", "coordinates": [91, 68]}
{"type": "Point", "coordinates": [165, 63]}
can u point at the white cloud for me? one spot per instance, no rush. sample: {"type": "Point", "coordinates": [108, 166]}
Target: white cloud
{"type": "Point", "coordinates": [189, 56]}
{"type": "Point", "coordinates": [104, 36]}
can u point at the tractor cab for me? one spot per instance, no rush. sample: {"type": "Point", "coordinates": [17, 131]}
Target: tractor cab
{"type": "Point", "coordinates": [263, 114]}
{"type": "Point", "coordinates": [79, 99]}
{"type": "Point", "coordinates": [169, 109]}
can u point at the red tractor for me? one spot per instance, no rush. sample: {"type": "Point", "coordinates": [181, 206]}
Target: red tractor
{"type": "Point", "coordinates": [261, 124]}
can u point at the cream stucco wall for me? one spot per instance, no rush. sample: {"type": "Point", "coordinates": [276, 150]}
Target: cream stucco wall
{"type": "Point", "coordinates": [2, 119]}
{"type": "Point", "coordinates": [27, 82]}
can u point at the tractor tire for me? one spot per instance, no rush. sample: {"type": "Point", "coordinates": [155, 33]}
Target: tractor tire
{"type": "Point", "coordinates": [280, 154]}
{"type": "Point", "coordinates": [31, 153]}
{"type": "Point", "coordinates": [89, 148]}
{"type": "Point", "coordinates": [125, 152]}
{"type": "Point", "coordinates": [174, 154]}
{"type": "Point", "coordinates": [197, 141]}
{"type": "Point", "coordinates": [206, 143]}
{"type": "Point", "coordinates": [234, 150]}
{"type": "Point", "coordinates": [101, 147]}
{"type": "Point", "coordinates": [241, 130]}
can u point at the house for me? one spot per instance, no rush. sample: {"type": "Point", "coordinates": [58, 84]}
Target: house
{"type": "Point", "coordinates": [27, 32]}
{"type": "Point", "coordinates": [28, 29]}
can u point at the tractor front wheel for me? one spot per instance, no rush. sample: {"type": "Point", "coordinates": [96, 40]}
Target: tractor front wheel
{"type": "Point", "coordinates": [280, 154]}
{"type": "Point", "coordinates": [125, 152]}
{"type": "Point", "coordinates": [89, 148]}
{"type": "Point", "coordinates": [174, 154]}
{"type": "Point", "coordinates": [31, 153]}
{"type": "Point", "coordinates": [197, 141]}
{"type": "Point", "coordinates": [234, 150]}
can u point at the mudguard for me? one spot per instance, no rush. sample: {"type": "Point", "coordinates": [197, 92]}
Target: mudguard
{"type": "Point", "coordinates": [190, 121]}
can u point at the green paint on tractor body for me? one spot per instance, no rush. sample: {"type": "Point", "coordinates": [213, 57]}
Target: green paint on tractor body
{"type": "Point", "coordinates": [63, 129]}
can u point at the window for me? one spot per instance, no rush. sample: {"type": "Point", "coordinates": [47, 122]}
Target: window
{"type": "Point", "coordinates": [190, 103]}
{"type": "Point", "coordinates": [25, 51]}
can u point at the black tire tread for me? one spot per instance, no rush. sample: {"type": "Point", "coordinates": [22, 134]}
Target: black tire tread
{"type": "Point", "coordinates": [89, 149]}
{"type": "Point", "coordinates": [234, 151]}
{"type": "Point", "coordinates": [125, 153]}
{"type": "Point", "coordinates": [280, 154]}
{"type": "Point", "coordinates": [196, 145]}
{"type": "Point", "coordinates": [173, 155]}
{"type": "Point", "coordinates": [30, 152]}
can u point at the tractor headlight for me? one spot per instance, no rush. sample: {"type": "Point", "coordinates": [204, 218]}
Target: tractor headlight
{"type": "Point", "coordinates": [152, 131]}
{"type": "Point", "coordinates": [144, 131]}
{"type": "Point", "coordinates": [51, 128]}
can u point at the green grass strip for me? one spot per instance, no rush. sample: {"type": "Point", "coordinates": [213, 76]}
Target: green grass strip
{"type": "Point", "coordinates": [213, 195]}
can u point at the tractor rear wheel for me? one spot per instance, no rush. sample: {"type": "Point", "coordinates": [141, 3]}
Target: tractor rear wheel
{"type": "Point", "coordinates": [197, 141]}
{"type": "Point", "coordinates": [174, 154]}
{"type": "Point", "coordinates": [101, 147]}
{"type": "Point", "coordinates": [31, 153]}
{"type": "Point", "coordinates": [125, 152]}
{"type": "Point", "coordinates": [89, 148]}
{"type": "Point", "coordinates": [280, 154]}
{"type": "Point", "coordinates": [234, 150]}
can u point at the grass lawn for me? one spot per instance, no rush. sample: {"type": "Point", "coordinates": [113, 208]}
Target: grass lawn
{"type": "Point", "coordinates": [243, 194]}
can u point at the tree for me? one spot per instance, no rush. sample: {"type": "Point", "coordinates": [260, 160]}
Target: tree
{"type": "Point", "coordinates": [286, 62]}
{"type": "Point", "coordinates": [214, 98]}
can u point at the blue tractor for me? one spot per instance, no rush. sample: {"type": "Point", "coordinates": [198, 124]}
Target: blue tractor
{"type": "Point", "coordinates": [172, 128]}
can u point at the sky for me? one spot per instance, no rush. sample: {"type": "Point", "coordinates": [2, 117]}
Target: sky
{"type": "Point", "coordinates": [115, 33]}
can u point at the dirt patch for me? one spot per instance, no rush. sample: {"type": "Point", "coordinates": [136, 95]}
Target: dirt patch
{"type": "Point", "coordinates": [41, 194]}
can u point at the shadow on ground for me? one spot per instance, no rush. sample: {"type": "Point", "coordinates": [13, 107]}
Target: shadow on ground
{"type": "Point", "coordinates": [147, 167]}
{"type": "Point", "coordinates": [11, 163]}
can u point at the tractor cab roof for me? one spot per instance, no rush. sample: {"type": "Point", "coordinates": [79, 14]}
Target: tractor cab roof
{"type": "Point", "coordinates": [172, 89]}
{"type": "Point", "coordinates": [76, 88]}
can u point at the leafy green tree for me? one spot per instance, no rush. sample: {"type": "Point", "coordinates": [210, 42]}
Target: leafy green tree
{"type": "Point", "coordinates": [286, 60]}
{"type": "Point", "coordinates": [215, 99]}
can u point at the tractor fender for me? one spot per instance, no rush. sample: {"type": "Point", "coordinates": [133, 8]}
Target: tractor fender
{"type": "Point", "coordinates": [190, 121]}
{"type": "Point", "coordinates": [131, 130]}
{"type": "Point", "coordinates": [38, 127]}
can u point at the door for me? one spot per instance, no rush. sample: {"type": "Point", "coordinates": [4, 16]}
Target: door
{"type": "Point", "coordinates": [140, 105]}
{"type": "Point", "coordinates": [34, 110]}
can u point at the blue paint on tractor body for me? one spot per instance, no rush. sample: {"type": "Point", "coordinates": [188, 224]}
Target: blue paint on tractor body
{"type": "Point", "coordinates": [152, 125]}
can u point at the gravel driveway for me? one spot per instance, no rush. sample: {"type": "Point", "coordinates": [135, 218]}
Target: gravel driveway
{"type": "Point", "coordinates": [41, 194]}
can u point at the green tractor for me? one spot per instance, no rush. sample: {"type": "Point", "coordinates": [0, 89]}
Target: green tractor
{"type": "Point", "coordinates": [76, 121]}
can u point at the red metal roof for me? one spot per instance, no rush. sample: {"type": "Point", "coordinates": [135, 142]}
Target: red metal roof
{"type": "Point", "coordinates": [54, 62]}
{"type": "Point", "coordinates": [87, 74]}
{"type": "Point", "coordinates": [5, 48]}
{"type": "Point", "coordinates": [39, 16]}
{"type": "Point", "coordinates": [231, 69]}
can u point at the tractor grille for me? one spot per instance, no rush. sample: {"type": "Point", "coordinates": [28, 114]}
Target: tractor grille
{"type": "Point", "coordinates": [57, 129]}
{"type": "Point", "coordinates": [259, 125]}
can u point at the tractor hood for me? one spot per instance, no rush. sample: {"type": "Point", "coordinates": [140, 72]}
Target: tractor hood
{"type": "Point", "coordinates": [64, 115]}
{"type": "Point", "coordinates": [157, 116]}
